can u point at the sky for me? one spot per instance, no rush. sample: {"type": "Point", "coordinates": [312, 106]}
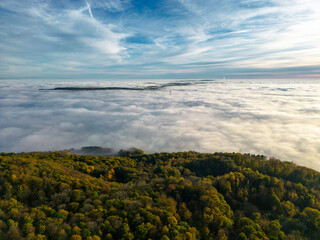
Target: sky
{"type": "Point", "coordinates": [144, 39]}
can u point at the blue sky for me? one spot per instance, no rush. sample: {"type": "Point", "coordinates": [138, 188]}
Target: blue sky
{"type": "Point", "coordinates": [128, 39]}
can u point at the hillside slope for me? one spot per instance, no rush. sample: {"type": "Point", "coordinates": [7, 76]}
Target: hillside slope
{"type": "Point", "coordinates": [185, 195]}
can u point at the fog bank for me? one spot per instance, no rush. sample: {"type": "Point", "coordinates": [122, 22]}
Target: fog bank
{"type": "Point", "coordinates": [274, 118]}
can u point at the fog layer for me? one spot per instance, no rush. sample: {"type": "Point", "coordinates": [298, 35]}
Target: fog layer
{"type": "Point", "coordinates": [274, 118]}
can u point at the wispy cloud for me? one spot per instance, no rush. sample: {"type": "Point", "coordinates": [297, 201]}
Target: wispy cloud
{"type": "Point", "coordinates": [102, 36]}
{"type": "Point", "coordinates": [54, 37]}
{"type": "Point", "coordinates": [89, 9]}
{"type": "Point", "coordinates": [111, 5]}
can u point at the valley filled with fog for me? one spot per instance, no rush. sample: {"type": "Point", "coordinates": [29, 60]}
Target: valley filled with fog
{"type": "Point", "coordinates": [278, 118]}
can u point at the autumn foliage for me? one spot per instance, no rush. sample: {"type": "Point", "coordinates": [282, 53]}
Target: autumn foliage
{"type": "Point", "coordinates": [185, 195]}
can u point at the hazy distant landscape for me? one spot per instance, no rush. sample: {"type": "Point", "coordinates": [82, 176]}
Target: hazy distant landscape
{"type": "Point", "coordinates": [276, 118]}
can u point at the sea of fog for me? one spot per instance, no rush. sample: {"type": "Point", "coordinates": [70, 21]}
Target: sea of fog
{"type": "Point", "coordinates": [279, 118]}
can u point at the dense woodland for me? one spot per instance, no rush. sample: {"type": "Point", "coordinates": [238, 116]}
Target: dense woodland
{"type": "Point", "coordinates": [186, 195]}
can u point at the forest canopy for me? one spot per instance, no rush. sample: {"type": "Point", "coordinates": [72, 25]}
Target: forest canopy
{"type": "Point", "coordinates": [184, 195]}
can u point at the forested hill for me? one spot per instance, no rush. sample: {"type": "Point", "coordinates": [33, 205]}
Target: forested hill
{"type": "Point", "coordinates": [163, 196]}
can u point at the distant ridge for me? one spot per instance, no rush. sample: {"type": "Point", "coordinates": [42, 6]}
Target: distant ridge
{"type": "Point", "coordinates": [94, 150]}
{"type": "Point", "coordinates": [100, 151]}
{"type": "Point", "coordinates": [146, 88]}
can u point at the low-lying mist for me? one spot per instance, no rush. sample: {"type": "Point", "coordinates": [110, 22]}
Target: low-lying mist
{"type": "Point", "coordinates": [274, 118]}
